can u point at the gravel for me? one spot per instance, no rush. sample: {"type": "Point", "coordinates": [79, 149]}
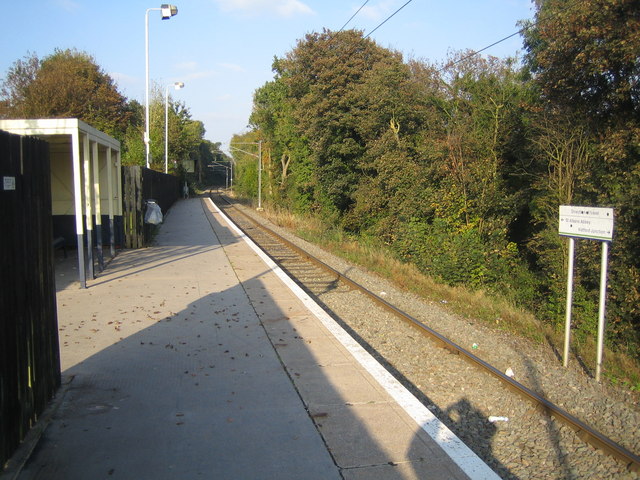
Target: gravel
{"type": "Point", "coordinates": [522, 443]}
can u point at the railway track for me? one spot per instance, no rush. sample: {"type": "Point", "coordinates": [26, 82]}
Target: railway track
{"type": "Point", "coordinates": [327, 284]}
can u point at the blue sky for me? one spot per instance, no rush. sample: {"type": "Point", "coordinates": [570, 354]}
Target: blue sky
{"type": "Point", "coordinates": [223, 49]}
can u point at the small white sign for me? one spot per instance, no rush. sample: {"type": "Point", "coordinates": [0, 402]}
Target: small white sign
{"type": "Point", "coordinates": [9, 183]}
{"type": "Point", "coordinates": [586, 222]}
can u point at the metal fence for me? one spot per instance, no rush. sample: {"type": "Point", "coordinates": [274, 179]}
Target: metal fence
{"type": "Point", "coordinates": [29, 349]}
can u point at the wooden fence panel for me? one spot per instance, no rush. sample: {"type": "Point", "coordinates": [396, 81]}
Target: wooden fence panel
{"type": "Point", "coordinates": [29, 348]}
{"type": "Point", "coordinates": [133, 212]}
{"type": "Point", "coordinates": [139, 185]}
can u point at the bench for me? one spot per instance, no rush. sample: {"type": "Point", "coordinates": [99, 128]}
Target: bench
{"type": "Point", "coordinates": [59, 242]}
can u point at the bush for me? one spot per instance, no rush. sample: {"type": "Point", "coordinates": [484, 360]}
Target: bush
{"type": "Point", "coordinates": [466, 258]}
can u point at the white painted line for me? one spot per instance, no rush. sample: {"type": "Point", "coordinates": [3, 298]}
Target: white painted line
{"type": "Point", "coordinates": [462, 455]}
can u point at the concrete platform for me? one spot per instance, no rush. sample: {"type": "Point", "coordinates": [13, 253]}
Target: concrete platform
{"type": "Point", "coordinates": [196, 359]}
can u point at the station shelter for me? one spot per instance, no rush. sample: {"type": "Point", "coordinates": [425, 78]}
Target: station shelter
{"type": "Point", "coordinates": [86, 186]}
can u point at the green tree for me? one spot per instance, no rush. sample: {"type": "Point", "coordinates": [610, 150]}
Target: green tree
{"type": "Point", "coordinates": [323, 75]}
{"type": "Point", "coordinates": [469, 193]}
{"type": "Point", "coordinates": [380, 146]}
{"type": "Point", "coordinates": [244, 152]}
{"type": "Point", "coordinates": [584, 59]}
{"type": "Point", "coordinates": [585, 55]}
{"type": "Point", "coordinates": [66, 84]}
{"type": "Point", "coordinates": [14, 88]}
{"type": "Point", "coordinates": [482, 108]}
{"type": "Point", "coordinates": [273, 116]}
{"type": "Point", "coordinates": [133, 148]}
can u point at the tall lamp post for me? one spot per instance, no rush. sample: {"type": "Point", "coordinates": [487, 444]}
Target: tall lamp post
{"type": "Point", "coordinates": [177, 86]}
{"type": "Point", "coordinates": [167, 11]}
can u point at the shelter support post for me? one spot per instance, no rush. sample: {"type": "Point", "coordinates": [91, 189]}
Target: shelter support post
{"type": "Point", "coordinates": [77, 197]}
{"type": "Point", "coordinates": [87, 200]}
{"type": "Point", "coordinates": [95, 157]}
{"type": "Point", "coordinates": [110, 164]}
{"type": "Point", "coordinates": [118, 189]}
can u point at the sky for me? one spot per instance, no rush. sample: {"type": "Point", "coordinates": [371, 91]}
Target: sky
{"type": "Point", "coordinates": [223, 50]}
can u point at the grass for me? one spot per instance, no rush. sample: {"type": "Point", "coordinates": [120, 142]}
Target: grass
{"type": "Point", "coordinates": [498, 313]}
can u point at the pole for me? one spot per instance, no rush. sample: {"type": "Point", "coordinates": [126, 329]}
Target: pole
{"type": "Point", "coordinates": [567, 324]}
{"type": "Point", "coordinates": [146, 90]}
{"type": "Point", "coordinates": [86, 150]}
{"type": "Point", "coordinates": [601, 308]}
{"type": "Point", "coordinates": [95, 164]}
{"type": "Point", "coordinates": [260, 175]}
{"type": "Point", "coordinates": [168, 11]}
{"type": "Point", "coordinates": [166, 129]}
{"type": "Point", "coordinates": [77, 199]}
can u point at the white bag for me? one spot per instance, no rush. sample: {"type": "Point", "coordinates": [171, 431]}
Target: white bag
{"type": "Point", "coordinates": [153, 214]}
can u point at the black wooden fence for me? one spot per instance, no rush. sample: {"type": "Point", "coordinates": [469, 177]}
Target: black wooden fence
{"type": "Point", "coordinates": [139, 185]}
{"type": "Point", "coordinates": [29, 349]}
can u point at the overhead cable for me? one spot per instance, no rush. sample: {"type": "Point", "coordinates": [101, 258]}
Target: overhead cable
{"type": "Point", "coordinates": [519, 32]}
{"type": "Point", "coordinates": [473, 54]}
{"type": "Point", "coordinates": [367, 1]}
{"type": "Point", "coordinates": [387, 19]}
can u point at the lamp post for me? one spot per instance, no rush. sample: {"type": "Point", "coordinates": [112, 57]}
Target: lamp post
{"type": "Point", "coordinates": [167, 11]}
{"type": "Point", "coordinates": [177, 86]}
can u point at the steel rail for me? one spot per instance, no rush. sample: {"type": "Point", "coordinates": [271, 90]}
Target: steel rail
{"type": "Point", "coordinates": [584, 431]}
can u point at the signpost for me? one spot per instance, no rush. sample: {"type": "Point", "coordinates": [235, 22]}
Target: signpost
{"type": "Point", "coordinates": [586, 222]}
{"type": "Point", "coordinates": [592, 223]}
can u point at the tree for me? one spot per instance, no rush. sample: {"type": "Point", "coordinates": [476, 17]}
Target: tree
{"type": "Point", "coordinates": [273, 115]}
{"type": "Point", "coordinates": [380, 147]}
{"type": "Point", "coordinates": [14, 88]}
{"type": "Point", "coordinates": [584, 60]}
{"type": "Point", "coordinates": [585, 56]}
{"type": "Point", "coordinates": [244, 153]}
{"type": "Point", "coordinates": [323, 75]}
{"type": "Point", "coordinates": [133, 148]}
{"type": "Point", "coordinates": [66, 84]}
{"type": "Point", "coordinates": [483, 116]}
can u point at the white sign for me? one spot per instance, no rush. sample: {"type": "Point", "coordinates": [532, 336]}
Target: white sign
{"type": "Point", "coordinates": [189, 166]}
{"type": "Point", "coordinates": [9, 183]}
{"type": "Point", "coordinates": [586, 222]}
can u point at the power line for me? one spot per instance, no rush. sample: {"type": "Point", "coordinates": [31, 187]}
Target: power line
{"type": "Point", "coordinates": [387, 19]}
{"type": "Point", "coordinates": [473, 54]}
{"type": "Point", "coordinates": [367, 1]}
{"type": "Point", "coordinates": [526, 27]}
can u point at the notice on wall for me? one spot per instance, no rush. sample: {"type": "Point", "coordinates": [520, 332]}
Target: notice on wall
{"type": "Point", "coordinates": [9, 183]}
{"type": "Point", "coordinates": [594, 223]}
{"type": "Point", "coordinates": [189, 166]}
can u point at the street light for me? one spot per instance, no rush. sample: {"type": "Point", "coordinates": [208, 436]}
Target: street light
{"type": "Point", "coordinates": [167, 11]}
{"type": "Point", "coordinates": [177, 86]}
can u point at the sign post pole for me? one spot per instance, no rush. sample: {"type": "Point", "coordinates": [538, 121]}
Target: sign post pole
{"type": "Point", "coordinates": [601, 308]}
{"type": "Point", "coordinates": [567, 324]}
{"type": "Point", "coordinates": [592, 223]}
